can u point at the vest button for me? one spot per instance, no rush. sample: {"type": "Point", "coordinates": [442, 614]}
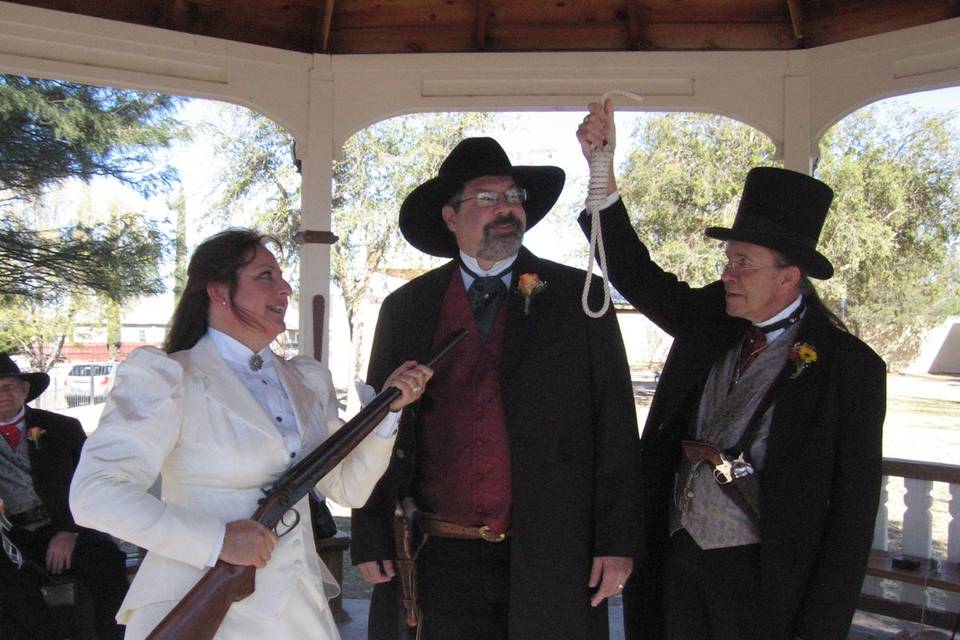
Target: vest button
{"type": "Point", "coordinates": [401, 454]}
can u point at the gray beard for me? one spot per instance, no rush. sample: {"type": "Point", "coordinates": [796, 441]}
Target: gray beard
{"type": "Point", "coordinates": [497, 248]}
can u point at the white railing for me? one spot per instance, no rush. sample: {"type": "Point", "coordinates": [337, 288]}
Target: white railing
{"type": "Point", "coordinates": [919, 518]}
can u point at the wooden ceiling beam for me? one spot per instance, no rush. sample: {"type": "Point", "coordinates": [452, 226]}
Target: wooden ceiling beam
{"type": "Point", "coordinates": [635, 10]}
{"type": "Point", "coordinates": [480, 33]}
{"type": "Point", "coordinates": [325, 21]}
{"type": "Point", "coordinates": [796, 19]}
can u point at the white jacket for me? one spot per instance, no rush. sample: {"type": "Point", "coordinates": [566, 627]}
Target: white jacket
{"type": "Point", "coordinates": [187, 417]}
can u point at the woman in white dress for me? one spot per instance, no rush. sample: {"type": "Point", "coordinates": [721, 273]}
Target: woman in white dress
{"type": "Point", "coordinates": [218, 417]}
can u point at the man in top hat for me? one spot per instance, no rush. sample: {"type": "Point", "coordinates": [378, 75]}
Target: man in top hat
{"type": "Point", "coordinates": [520, 455]}
{"type": "Point", "coordinates": [768, 540]}
{"type": "Point", "coordinates": [39, 451]}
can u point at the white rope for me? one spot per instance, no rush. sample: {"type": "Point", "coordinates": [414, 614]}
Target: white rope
{"type": "Point", "coordinates": [601, 164]}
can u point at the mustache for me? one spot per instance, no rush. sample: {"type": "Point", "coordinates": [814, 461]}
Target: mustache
{"type": "Point", "coordinates": [506, 218]}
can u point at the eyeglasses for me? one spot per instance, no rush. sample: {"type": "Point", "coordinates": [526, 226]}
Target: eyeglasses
{"type": "Point", "coordinates": [513, 195]}
{"type": "Point", "coordinates": [735, 268]}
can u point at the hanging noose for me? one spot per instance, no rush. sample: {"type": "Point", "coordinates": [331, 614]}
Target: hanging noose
{"type": "Point", "coordinates": [601, 164]}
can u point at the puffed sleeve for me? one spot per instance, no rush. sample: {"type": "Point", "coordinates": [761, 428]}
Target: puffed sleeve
{"type": "Point", "coordinates": [351, 482]}
{"type": "Point", "coordinates": [121, 460]}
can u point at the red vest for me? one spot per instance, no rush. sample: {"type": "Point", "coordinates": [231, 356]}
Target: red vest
{"type": "Point", "coordinates": [465, 462]}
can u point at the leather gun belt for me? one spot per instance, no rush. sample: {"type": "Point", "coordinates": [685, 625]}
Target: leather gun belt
{"type": "Point", "coordinates": [433, 525]}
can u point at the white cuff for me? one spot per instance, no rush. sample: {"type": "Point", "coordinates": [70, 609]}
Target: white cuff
{"type": "Point", "coordinates": [390, 424]}
{"type": "Point", "coordinates": [212, 560]}
{"type": "Point", "coordinates": [611, 199]}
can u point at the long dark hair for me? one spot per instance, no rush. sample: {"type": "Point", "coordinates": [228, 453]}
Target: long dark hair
{"type": "Point", "coordinates": [809, 291]}
{"type": "Point", "coordinates": [217, 259]}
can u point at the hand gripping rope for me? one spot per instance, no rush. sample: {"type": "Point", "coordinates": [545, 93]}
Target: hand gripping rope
{"type": "Point", "coordinates": [601, 163]}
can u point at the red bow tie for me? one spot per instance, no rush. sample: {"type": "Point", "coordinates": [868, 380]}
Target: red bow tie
{"type": "Point", "coordinates": [11, 434]}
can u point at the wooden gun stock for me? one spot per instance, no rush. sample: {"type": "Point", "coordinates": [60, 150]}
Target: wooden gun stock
{"type": "Point", "coordinates": [202, 610]}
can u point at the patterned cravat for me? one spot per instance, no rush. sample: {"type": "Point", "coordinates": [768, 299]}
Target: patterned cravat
{"type": "Point", "coordinates": [485, 294]}
{"type": "Point", "coordinates": [11, 434]}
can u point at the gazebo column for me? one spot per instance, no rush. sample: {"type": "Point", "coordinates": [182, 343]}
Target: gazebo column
{"type": "Point", "coordinates": [799, 152]}
{"type": "Point", "coordinates": [316, 157]}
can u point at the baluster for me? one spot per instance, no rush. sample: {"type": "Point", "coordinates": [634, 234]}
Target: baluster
{"type": "Point", "coordinates": [881, 540]}
{"type": "Point", "coordinates": [917, 530]}
{"type": "Point", "coordinates": [952, 602]}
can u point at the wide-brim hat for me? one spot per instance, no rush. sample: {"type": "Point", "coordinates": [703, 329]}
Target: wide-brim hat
{"type": "Point", "coordinates": [782, 210]}
{"type": "Point", "coordinates": [421, 222]}
{"type": "Point", "coordinates": [38, 381]}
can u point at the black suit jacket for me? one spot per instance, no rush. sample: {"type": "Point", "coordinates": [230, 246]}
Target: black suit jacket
{"type": "Point", "coordinates": [52, 463]}
{"type": "Point", "coordinates": [820, 487]}
{"type": "Point", "coordinates": [572, 427]}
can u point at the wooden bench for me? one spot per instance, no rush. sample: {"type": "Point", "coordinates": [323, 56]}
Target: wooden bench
{"type": "Point", "coordinates": [946, 576]}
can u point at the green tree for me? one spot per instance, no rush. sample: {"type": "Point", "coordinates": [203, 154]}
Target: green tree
{"type": "Point", "coordinates": [893, 226]}
{"type": "Point", "coordinates": [890, 234]}
{"type": "Point", "coordinates": [119, 259]}
{"type": "Point", "coordinates": [36, 329]}
{"type": "Point", "coordinates": [52, 131]}
{"type": "Point", "coordinates": [179, 205]}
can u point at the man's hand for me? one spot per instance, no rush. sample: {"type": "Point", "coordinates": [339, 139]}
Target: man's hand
{"type": "Point", "coordinates": [610, 573]}
{"type": "Point", "coordinates": [373, 574]}
{"type": "Point", "coordinates": [60, 552]}
{"type": "Point", "coordinates": [597, 128]}
{"type": "Point", "coordinates": [248, 542]}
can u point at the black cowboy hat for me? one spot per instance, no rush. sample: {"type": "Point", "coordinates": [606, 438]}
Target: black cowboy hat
{"type": "Point", "coordinates": [421, 222]}
{"type": "Point", "coordinates": [38, 381]}
{"type": "Point", "coordinates": [782, 210]}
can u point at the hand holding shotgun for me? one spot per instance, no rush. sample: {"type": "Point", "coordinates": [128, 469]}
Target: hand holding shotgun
{"type": "Point", "coordinates": [201, 611]}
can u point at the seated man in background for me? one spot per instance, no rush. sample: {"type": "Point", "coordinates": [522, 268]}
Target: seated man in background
{"type": "Point", "coordinates": [38, 455]}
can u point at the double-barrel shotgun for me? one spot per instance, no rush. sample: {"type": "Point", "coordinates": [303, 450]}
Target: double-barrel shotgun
{"type": "Point", "coordinates": [201, 611]}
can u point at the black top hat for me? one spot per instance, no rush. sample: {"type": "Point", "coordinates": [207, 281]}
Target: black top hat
{"type": "Point", "coordinates": [421, 222]}
{"type": "Point", "coordinates": [782, 210]}
{"type": "Point", "coordinates": [38, 381]}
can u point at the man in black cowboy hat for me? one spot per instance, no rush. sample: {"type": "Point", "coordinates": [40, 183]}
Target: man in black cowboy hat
{"type": "Point", "coordinates": [39, 451]}
{"type": "Point", "coordinates": [520, 455]}
{"type": "Point", "coordinates": [761, 455]}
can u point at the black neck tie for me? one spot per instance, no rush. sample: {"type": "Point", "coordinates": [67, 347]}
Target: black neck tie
{"type": "Point", "coordinates": [485, 294]}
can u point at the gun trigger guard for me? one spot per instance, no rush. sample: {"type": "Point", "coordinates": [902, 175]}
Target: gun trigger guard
{"type": "Point", "coordinates": [283, 521]}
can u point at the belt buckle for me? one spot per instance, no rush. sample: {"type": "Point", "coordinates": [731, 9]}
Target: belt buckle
{"type": "Point", "coordinates": [489, 536]}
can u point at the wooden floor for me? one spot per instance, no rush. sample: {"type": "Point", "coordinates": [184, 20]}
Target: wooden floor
{"type": "Point", "coordinates": [866, 626]}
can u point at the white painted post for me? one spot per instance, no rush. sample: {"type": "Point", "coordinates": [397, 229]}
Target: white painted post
{"type": "Point", "coordinates": [917, 530]}
{"type": "Point", "coordinates": [872, 585]}
{"type": "Point", "coordinates": [952, 602]}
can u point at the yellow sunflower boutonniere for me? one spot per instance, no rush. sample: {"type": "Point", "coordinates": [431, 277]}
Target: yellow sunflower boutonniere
{"type": "Point", "coordinates": [529, 285]}
{"type": "Point", "coordinates": [802, 355]}
{"type": "Point", "coordinates": [34, 434]}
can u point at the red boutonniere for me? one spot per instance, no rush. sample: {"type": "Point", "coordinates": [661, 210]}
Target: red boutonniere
{"type": "Point", "coordinates": [802, 355]}
{"type": "Point", "coordinates": [529, 285]}
{"type": "Point", "coordinates": [34, 434]}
